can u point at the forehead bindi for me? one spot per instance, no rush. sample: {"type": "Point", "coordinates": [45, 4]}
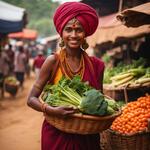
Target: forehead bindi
{"type": "Point", "coordinates": [74, 23]}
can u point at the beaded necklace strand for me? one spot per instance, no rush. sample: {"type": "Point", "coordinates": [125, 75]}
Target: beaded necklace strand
{"type": "Point", "coordinates": [66, 68]}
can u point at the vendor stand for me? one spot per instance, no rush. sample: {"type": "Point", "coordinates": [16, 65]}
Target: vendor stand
{"type": "Point", "coordinates": [136, 112]}
{"type": "Point", "coordinates": [12, 19]}
{"type": "Point", "coordinates": [28, 34]}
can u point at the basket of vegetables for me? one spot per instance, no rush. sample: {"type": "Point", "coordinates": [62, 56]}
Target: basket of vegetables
{"type": "Point", "coordinates": [11, 85]}
{"type": "Point", "coordinates": [96, 111]}
{"type": "Point", "coordinates": [131, 130]}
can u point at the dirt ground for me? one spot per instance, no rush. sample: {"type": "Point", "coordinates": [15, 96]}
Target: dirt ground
{"type": "Point", "coordinates": [20, 126]}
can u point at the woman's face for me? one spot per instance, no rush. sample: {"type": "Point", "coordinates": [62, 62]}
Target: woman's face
{"type": "Point", "coordinates": [73, 34]}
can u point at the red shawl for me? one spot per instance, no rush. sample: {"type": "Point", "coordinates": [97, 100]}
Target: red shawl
{"type": "Point", "coordinates": [54, 139]}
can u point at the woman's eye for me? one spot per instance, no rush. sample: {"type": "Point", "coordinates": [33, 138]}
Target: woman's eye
{"type": "Point", "coordinates": [79, 30]}
{"type": "Point", "coordinates": [68, 29]}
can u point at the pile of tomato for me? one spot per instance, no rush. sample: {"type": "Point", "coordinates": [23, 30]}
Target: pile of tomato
{"type": "Point", "coordinates": [134, 117]}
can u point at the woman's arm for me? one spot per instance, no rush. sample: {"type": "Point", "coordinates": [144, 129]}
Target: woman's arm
{"type": "Point", "coordinates": [37, 88]}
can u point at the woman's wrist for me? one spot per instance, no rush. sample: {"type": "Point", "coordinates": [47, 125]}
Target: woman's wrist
{"type": "Point", "coordinates": [43, 107]}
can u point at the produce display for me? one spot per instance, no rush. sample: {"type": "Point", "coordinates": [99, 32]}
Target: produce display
{"type": "Point", "coordinates": [79, 95]}
{"type": "Point", "coordinates": [134, 117]}
{"type": "Point", "coordinates": [133, 75]}
{"type": "Point", "coordinates": [11, 85]}
{"type": "Point", "coordinates": [11, 80]}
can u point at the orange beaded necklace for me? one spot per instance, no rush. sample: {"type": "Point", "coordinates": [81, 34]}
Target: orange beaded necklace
{"type": "Point", "coordinates": [67, 69]}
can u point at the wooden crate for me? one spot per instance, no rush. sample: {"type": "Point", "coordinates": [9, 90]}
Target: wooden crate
{"type": "Point", "coordinates": [126, 94]}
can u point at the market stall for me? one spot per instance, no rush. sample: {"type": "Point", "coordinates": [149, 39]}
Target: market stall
{"type": "Point", "coordinates": [130, 84]}
{"type": "Point", "coordinates": [24, 34]}
{"type": "Point", "coordinates": [121, 44]}
{"type": "Point", "coordinates": [136, 16]}
{"type": "Point", "coordinates": [110, 29]}
{"type": "Point", "coordinates": [12, 18]}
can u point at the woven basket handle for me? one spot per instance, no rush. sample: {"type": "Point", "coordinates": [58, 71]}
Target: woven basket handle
{"type": "Point", "coordinates": [126, 94]}
{"type": "Point", "coordinates": [148, 124]}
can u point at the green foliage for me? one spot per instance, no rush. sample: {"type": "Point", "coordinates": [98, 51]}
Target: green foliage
{"type": "Point", "coordinates": [44, 26]}
{"type": "Point", "coordinates": [123, 68]}
{"type": "Point", "coordinates": [61, 94]}
{"type": "Point", "coordinates": [106, 58]}
{"type": "Point", "coordinates": [80, 95]}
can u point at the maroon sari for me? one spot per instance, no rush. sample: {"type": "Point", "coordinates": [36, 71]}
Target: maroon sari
{"type": "Point", "coordinates": [54, 139]}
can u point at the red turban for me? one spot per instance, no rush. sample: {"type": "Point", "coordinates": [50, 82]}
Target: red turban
{"type": "Point", "coordinates": [85, 14]}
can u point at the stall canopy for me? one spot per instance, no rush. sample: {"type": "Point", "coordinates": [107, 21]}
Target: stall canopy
{"type": "Point", "coordinates": [12, 18]}
{"type": "Point", "coordinates": [136, 16]}
{"type": "Point", "coordinates": [110, 29]}
{"type": "Point", "coordinates": [25, 34]}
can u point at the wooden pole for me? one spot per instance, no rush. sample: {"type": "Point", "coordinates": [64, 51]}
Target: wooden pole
{"type": "Point", "coordinates": [120, 5]}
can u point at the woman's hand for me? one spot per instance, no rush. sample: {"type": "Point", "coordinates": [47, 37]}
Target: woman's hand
{"type": "Point", "coordinates": [61, 110]}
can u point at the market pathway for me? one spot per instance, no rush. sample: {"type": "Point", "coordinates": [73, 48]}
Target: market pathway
{"type": "Point", "coordinates": [19, 124]}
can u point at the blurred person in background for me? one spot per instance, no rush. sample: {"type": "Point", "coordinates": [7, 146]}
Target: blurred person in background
{"type": "Point", "coordinates": [38, 62]}
{"type": "Point", "coordinates": [28, 55]}
{"type": "Point", "coordinates": [10, 54]}
{"type": "Point", "coordinates": [20, 64]}
{"type": "Point", "coordinates": [4, 69]}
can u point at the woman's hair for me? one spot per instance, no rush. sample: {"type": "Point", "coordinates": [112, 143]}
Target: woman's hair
{"type": "Point", "coordinates": [85, 14]}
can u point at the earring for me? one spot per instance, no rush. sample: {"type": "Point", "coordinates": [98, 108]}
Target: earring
{"type": "Point", "coordinates": [61, 44]}
{"type": "Point", "coordinates": [84, 45]}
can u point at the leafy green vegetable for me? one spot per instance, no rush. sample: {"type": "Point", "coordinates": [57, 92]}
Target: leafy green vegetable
{"type": "Point", "coordinates": [110, 110]}
{"type": "Point", "coordinates": [112, 103]}
{"type": "Point", "coordinates": [93, 103]}
{"type": "Point", "coordinates": [62, 96]}
{"type": "Point", "coordinates": [137, 67]}
{"type": "Point", "coordinates": [79, 86]}
{"type": "Point", "coordinates": [77, 94]}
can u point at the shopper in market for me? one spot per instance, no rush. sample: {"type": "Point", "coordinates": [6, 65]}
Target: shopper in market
{"type": "Point", "coordinates": [38, 62]}
{"type": "Point", "coordinates": [74, 21]}
{"type": "Point", "coordinates": [20, 64]}
{"type": "Point", "coordinates": [4, 70]}
{"type": "Point", "coordinates": [10, 53]}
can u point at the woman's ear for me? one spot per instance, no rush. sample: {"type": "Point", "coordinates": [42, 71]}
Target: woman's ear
{"type": "Point", "coordinates": [61, 44]}
{"type": "Point", "coordinates": [84, 45]}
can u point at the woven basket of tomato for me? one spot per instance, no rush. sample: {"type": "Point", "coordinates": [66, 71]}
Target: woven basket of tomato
{"type": "Point", "coordinates": [131, 130]}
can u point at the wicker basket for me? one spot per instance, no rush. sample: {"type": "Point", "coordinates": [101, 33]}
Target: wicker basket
{"type": "Point", "coordinates": [12, 89]}
{"type": "Point", "coordinates": [82, 124]}
{"type": "Point", "coordinates": [138, 141]}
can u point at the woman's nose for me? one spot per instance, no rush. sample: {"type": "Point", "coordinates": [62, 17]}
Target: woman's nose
{"type": "Point", "coordinates": [73, 33]}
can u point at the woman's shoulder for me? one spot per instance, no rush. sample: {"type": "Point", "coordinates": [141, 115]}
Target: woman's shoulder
{"type": "Point", "coordinates": [49, 63]}
{"type": "Point", "coordinates": [97, 61]}
{"type": "Point", "coordinates": [51, 59]}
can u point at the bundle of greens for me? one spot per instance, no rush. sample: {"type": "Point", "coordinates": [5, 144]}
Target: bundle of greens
{"type": "Point", "coordinates": [123, 68]}
{"type": "Point", "coordinates": [77, 94]}
{"type": "Point", "coordinates": [93, 103]}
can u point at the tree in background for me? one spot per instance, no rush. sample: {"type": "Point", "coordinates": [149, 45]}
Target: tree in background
{"type": "Point", "coordinates": [40, 13]}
